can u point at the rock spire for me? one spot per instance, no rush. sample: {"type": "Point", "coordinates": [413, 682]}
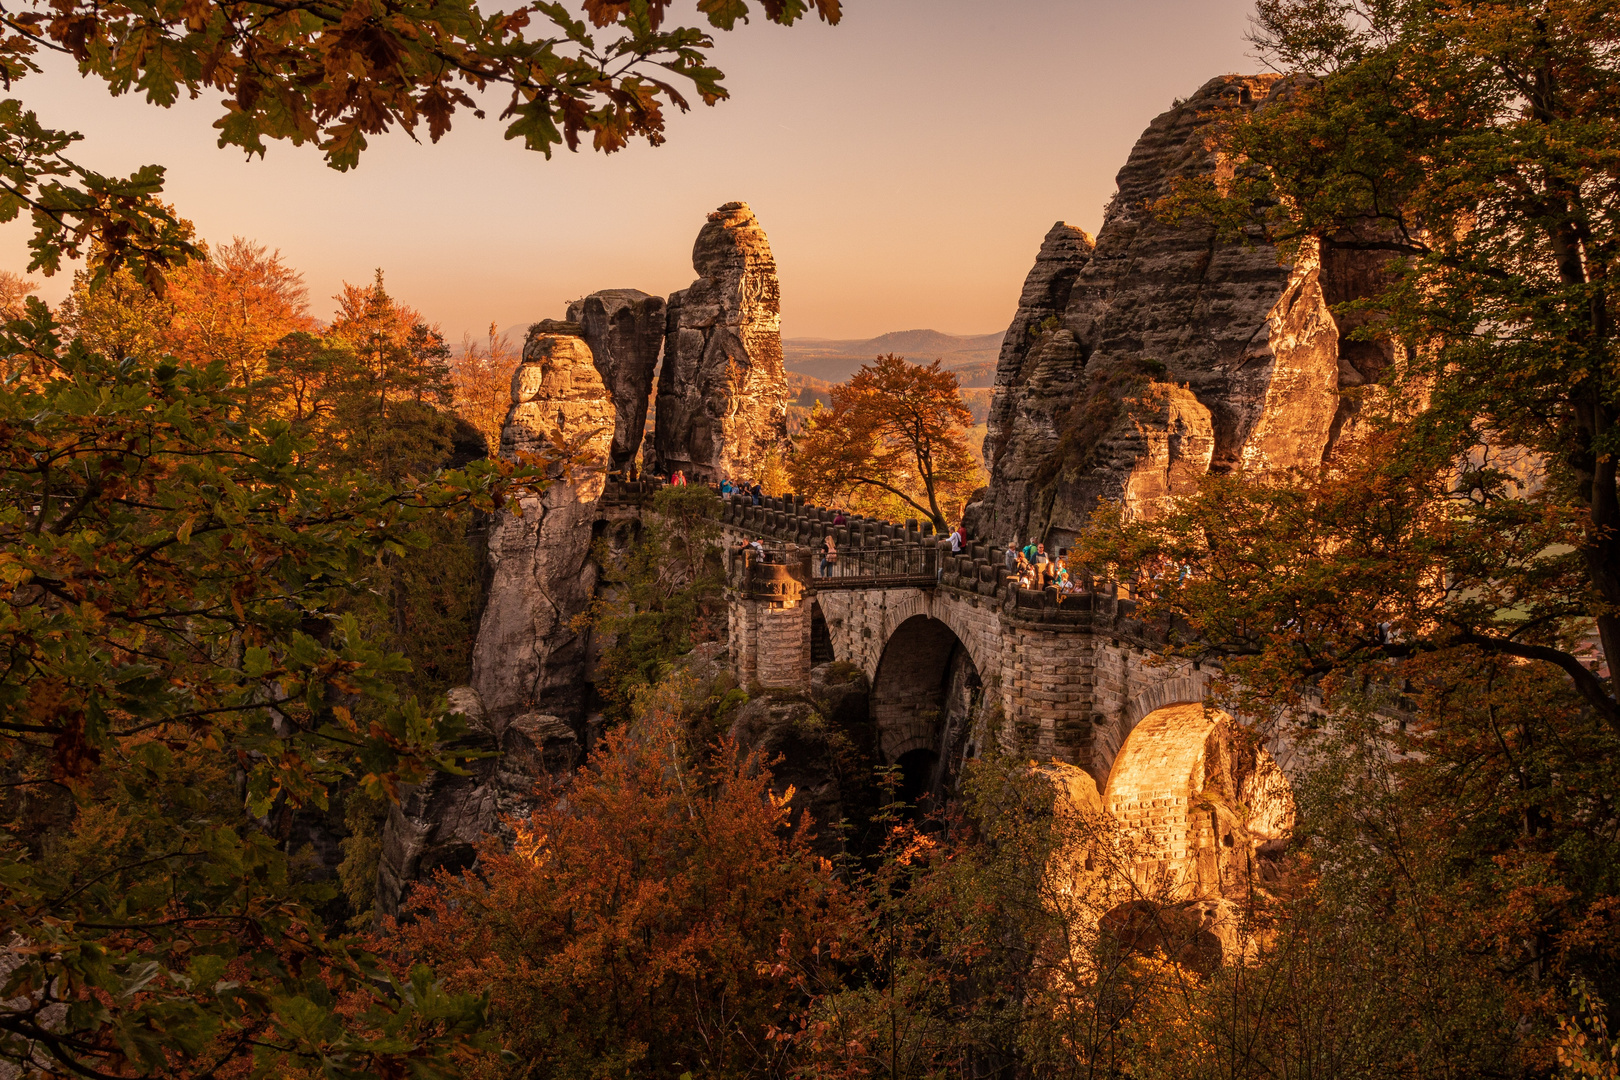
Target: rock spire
{"type": "Point", "coordinates": [722, 389]}
{"type": "Point", "coordinates": [625, 330]}
{"type": "Point", "coordinates": [1135, 365]}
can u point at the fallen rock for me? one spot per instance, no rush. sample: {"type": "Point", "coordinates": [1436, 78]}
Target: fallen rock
{"type": "Point", "coordinates": [722, 388]}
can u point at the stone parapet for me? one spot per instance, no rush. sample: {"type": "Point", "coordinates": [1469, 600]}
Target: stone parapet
{"type": "Point", "coordinates": [875, 553]}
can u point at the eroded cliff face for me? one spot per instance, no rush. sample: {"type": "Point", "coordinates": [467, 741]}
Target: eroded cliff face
{"type": "Point", "coordinates": [529, 657]}
{"type": "Point", "coordinates": [1135, 365]}
{"type": "Point", "coordinates": [625, 331]}
{"type": "Point", "coordinates": [722, 389]}
{"type": "Point", "coordinates": [525, 707]}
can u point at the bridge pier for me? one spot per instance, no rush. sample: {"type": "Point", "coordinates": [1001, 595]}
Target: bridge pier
{"type": "Point", "coordinates": [769, 622]}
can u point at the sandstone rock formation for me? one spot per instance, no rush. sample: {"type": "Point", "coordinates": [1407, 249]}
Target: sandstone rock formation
{"type": "Point", "coordinates": [1192, 821]}
{"type": "Point", "coordinates": [527, 698]}
{"type": "Point", "coordinates": [722, 389]}
{"type": "Point", "coordinates": [1237, 356]}
{"type": "Point", "coordinates": [438, 824]}
{"type": "Point", "coordinates": [528, 656]}
{"type": "Point", "coordinates": [625, 330]}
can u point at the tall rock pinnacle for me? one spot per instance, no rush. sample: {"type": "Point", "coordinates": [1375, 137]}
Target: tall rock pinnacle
{"type": "Point", "coordinates": [529, 656]}
{"type": "Point", "coordinates": [722, 390]}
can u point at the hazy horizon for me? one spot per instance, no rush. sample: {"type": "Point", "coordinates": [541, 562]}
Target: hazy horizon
{"type": "Point", "coordinates": [905, 165]}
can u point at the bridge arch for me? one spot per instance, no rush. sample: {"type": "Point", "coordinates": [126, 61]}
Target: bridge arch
{"type": "Point", "coordinates": [1199, 798]}
{"type": "Point", "coordinates": [1188, 688]}
{"type": "Point", "coordinates": [923, 693]}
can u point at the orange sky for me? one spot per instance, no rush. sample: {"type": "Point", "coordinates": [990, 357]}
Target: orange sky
{"type": "Point", "coordinates": [905, 164]}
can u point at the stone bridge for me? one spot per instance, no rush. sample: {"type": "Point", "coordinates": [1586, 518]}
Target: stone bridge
{"type": "Point", "coordinates": [958, 654]}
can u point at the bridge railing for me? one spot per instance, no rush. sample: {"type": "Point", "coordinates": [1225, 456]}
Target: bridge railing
{"type": "Point", "coordinates": [878, 554]}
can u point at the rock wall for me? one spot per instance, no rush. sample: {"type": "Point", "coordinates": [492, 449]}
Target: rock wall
{"type": "Point", "coordinates": [1137, 364]}
{"type": "Point", "coordinates": [526, 704]}
{"type": "Point", "coordinates": [439, 823]}
{"type": "Point", "coordinates": [722, 389]}
{"type": "Point", "coordinates": [625, 331]}
{"type": "Point", "coordinates": [529, 657]}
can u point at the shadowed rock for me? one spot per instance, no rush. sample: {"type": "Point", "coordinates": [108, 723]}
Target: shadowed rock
{"type": "Point", "coordinates": [439, 823]}
{"type": "Point", "coordinates": [625, 330]}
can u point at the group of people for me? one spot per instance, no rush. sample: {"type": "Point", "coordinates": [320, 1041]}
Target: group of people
{"type": "Point", "coordinates": [1033, 568]}
{"type": "Point", "coordinates": [753, 490]}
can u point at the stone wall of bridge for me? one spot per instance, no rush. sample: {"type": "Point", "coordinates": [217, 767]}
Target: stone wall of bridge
{"type": "Point", "coordinates": [1070, 676]}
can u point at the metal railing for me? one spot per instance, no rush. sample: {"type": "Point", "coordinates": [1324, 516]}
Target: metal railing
{"type": "Point", "coordinates": [912, 564]}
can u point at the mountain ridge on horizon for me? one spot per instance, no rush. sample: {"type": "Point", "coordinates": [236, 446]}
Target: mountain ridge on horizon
{"type": "Point", "coordinates": [971, 356]}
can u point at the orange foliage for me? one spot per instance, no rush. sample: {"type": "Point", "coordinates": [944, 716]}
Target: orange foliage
{"type": "Point", "coordinates": [234, 306]}
{"type": "Point", "coordinates": [893, 444]}
{"type": "Point", "coordinates": [482, 375]}
{"type": "Point", "coordinates": [647, 918]}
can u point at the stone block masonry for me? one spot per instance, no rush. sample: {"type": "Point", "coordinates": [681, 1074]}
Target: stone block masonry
{"type": "Point", "coordinates": [1069, 679]}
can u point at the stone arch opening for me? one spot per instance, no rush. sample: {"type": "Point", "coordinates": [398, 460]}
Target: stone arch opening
{"type": "Point", "coordinates": [1203, 806]}
{"type": "Point", "coordinates": [924, 699]}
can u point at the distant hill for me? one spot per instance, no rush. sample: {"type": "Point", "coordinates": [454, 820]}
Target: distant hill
{"type": "Point", "coordinates": [831, 360]}
{"type": "Point", "coordinates": [973, 356]}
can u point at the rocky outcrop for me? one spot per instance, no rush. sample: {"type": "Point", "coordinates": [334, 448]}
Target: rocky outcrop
{"type": "Point", "coordinates": [625, 330]}
{"type": "Point", "coordinates": [439, 823]}
{"type": "Point", "coordinates": [722, 389]}
{"type": "Point", "coordinates": [529, 657]}
{"type": "Point", "coordinates": [526, 704]}
{"type": "Point", "coordinates": [821, 746]}
{"type": "Point", "coordinates": [1239, 354]}
{"type": "Point", "coordinates": [1064, 253]}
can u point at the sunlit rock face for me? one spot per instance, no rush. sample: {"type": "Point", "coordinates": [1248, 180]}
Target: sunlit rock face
{"type": "Point", "coordinates": [1137, 364]}
{"type": "Point", "coordinates": [722, 389]}
{"type": "Point", "coordinates": [1194, 817]}
{"type": "Point", "coordinates": [529, 657]}
{"type": "Point", "coordinates": [625, 331]}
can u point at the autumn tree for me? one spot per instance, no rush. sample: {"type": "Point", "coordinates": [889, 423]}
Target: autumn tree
{"type": "Point", "coordinates": [894, 442]}
{"type": "Point", "coordinates": [120, 317]}
{"type": "Point", "coordinates": [482, 375]}
{"type": "Point", "coordinates": [234, 304]}
{"type": "Point", "coordinates": [179, 684]}
{"type": "Point", "coordinates": [1464, 156]}
{"type": "Point", "coordinates": [14, 289]}
{"type": "Point", "coordinates": [647, 917]}
{"type": "Point", "coordinates": [1451, 568]}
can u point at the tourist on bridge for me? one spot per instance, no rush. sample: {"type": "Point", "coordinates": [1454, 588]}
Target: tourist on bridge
{"type": "Point", "coordinates": [1043, 566]}
{"type": "Point", "coordinates": [755, 493]}
{"type": "Point", "coordinates": [840, 518]}
{"type": "Point", "coordinates": [1011, 556]}
{"type": "Point", "coordinates": [829, 555]}
{"type": "Point", "coordinates": [726, 486]}
{"type": "Point", "coordinates": [677, 479]}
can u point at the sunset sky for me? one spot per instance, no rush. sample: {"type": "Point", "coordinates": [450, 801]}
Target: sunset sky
{"type": "Point", "coordinates": [904, 163]}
